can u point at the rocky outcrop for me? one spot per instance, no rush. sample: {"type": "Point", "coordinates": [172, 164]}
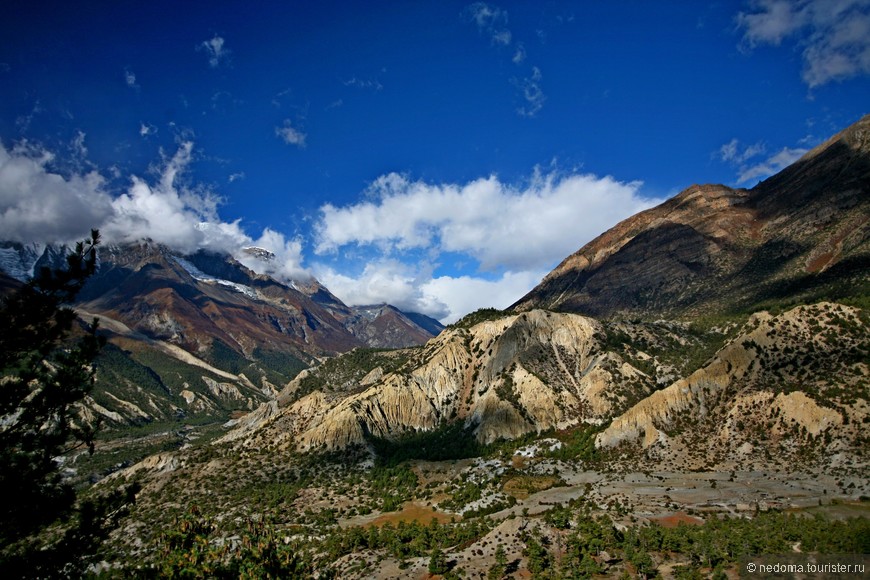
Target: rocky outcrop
{"type": "Point", "coordinates": [503, 378]}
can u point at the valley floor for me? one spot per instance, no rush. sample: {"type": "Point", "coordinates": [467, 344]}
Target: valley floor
{"type": "Point", "coordinates": [663, 498]}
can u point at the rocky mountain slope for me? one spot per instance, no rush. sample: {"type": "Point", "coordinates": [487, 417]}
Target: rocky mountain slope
{"type": "Point", "coordinates": [661, 386]}
{"type": "Point", "coordinates": [801, 235]}
{"type": "Point", "coordinates": [793, 384]}
{"type": "Point", "coordinates": [786, 386]}
{"type": "Point", "coordinates": [501, 378]}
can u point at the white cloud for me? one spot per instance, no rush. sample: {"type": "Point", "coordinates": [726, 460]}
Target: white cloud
{"type": "Point", "coordinates": [23, 121]}
{"type": "Point", "coordinates": [466, 294]}
{"type": "Point", "coordinates": [516, 233]}
{"type": "Point", "coordinates": [290, 134]}
{"type": "Point", "coordinates": [37, 204]}
{"type": "Point", "coordinates": [773, 164]}
{"type": "Point", "coordinates": [490, 20]}
{"type": "Point", "coordinates": [532, 94]}
{"type": "Point", "coordinates": [236, 176]}
{"type": "Point", "coordinates": [130, 79]}
{"type": "Point", "coordinates": [215, 50]}
{"type": "Point", "coordinates": [287, 264]}
{"type": "Point", "coordinates": [388, 281]}
{"type": "Point", "coordinates": [834, 34]}
{"type": "Point", "coordinates": [161, 211]}
{"type": "Point", "coordinates": [79, 149]}
{"type": "Point", "coordinates": [501, 226]}
{"type": "Point", "coordinates": [147, 129]}
{"type": "Point", "coordinates": [502, 37]}
{"type": "Point", "coordinates": [366, 84]}
{"type": "Point", "coordinates": [736, 153]}
{"type": "Point", "coordinates": [744, 158]}
{"type": "Point", "coordinates": [519, 54]}
{"type": "Point", "coordinates": [413, 288]}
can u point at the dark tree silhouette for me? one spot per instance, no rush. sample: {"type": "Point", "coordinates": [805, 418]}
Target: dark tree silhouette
{"type": "Point", "coordinates": [44, 373]}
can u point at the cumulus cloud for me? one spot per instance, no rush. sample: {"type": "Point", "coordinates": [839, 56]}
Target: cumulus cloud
{"type": "Point", "coordinates": [412, 287]}
{"type": "Point", "coordinates": [507, 236]}
{"type": "Point", "coordinates": [388, 281]}
{"type": "Point", "coordinates": [215, 50]}
{"type": "Point", "coordinates": [833, 34]}
{"type": "Point", "coordinates": [290, 135]}
{"type": "Point", "coordinates": [464, 294]}
{"type": "Point", "coordinates": [499, 225]}
{"type": "Point", "coordinates": [39, 204]}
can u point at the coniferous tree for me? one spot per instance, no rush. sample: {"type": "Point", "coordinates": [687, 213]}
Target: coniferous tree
{"type": "Point", "coordinates": [499, 568]}
{"type": "Point", "coordinates": [43, 375]}
{"type": "Point", "coordinates": [438, 562]}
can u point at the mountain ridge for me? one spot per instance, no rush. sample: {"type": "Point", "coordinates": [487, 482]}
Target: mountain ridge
{"type": "Point", "coordinates": [703, 249]}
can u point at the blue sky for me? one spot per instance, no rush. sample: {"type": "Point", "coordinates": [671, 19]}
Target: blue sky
{"type": "Point", "coordinates": [441, 156]}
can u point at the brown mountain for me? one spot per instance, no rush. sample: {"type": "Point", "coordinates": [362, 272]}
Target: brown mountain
{"type": "Point", "coordinates": [203, 335]}
{"type": "Point", "coordinates": [802, 234]}
{"type": "Point", "coordinates": [198, 300]}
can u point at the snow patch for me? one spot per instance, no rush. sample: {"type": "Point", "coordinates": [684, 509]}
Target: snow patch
{"type": "Point", "coordinates": [198, 274]}
{"type": "Point", "coordinates": [19, 260]}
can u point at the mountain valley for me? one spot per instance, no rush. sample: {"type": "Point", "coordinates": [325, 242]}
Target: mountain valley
{"type": "Point", "coordinates": [705, 362]}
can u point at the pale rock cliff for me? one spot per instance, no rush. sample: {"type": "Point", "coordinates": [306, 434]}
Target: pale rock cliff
{"type": "Point", "coordinates": [502, 378]}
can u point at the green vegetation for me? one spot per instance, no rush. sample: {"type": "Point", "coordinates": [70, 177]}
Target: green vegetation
{"type": "Point", "coordinates": [189, 551]}
{"type": "Point", "coordinates": [223, 357]}
{"type": "Point", "coordinates": [116, 367]}
{"type": "Point", "coordinates": [699, 550]}
{"type": "Point", "coordinates": [478, 316]}
{"type": "Point", "coordinates": [278, 367]}
{"type": "Point", "coordinates": [345, 371]}
{"type": "Point", "coordinates": [449, 441]}
{"type": "Point", "coordinates": [194, 547]}
{"type": "Point", "coordinates": [577, 445]}
{"type": "Point", "coordinates": [392, 486]}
